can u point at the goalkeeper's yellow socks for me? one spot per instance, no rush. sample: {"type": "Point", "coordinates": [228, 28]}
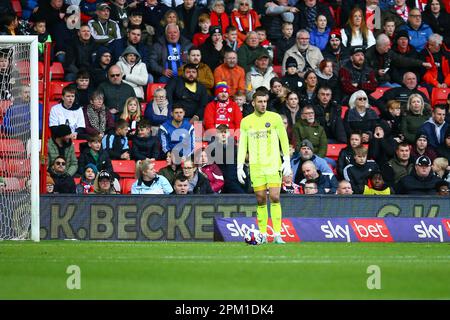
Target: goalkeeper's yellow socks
{"type": "Point", "coordinates": [275, 213]}
{"type": "Point", "coordinates": [262, 217]}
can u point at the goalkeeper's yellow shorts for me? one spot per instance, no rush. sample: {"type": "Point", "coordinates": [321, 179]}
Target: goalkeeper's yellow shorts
{"type": "Point", "coordinates": [262, 182]}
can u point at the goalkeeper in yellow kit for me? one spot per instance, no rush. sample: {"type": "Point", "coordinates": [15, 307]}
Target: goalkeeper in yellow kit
{"type": "Point", "coordinates": [262, 135]}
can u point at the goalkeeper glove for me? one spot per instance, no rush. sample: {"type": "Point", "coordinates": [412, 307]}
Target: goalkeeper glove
{"type": "Point", "coordinates": [241, 174]}
{"type": "Point", "coordinates": [286, 166]}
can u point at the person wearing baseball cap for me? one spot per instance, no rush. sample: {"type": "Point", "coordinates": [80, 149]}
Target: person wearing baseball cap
{"type": "Point", "coordinates": [421, 180]}
{"type": "Point", "coordinates": [102, 35]}
{"type": "Point", "coordinates": [260, 74]}
{"type": "Point", "coordinates": [222, 110]}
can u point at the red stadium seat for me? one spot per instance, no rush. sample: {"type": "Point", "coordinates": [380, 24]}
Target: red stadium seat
{"type": "Point", "coordinates": [378, 93]}
{"type": "Point", "coordinates": [57, 71]}
{"type": "Point", "coordinates": [41, 69]}
{"type": "Point", "coordinates": [424, 91]}
{"type": "Point", "coordinates": [159, 164]}
{"type": "Point", "coordinates": [11, 148]}
{"type": "Point", "coordinates": [143, 107]}
{"type": "Point", "coordinates": [278, 70]}
{"type": "Point", "coordinates": [13, 184]}
{"type": "Point", "coordinates": [439, 96]}
{"type": "Point", "coordinates": [343, 111]}
{"type": "Point", "coordinates": [4, 105]}
{"type": "Point", "coordinates": [15, 167]}
{"type": "Point", "coordinates": [377, 111]}
{"type": "Point", "coordinates": [77, 180]}
{"type": "Point", "coordinates": [56, 88]}
{"type": "Point", "coordinates": [151, 87]}
{"type": "Point", "coordinates": [76, 145]}
{"type": "Point", "coordinates": [334, 149]}
{"type": "Point", "coordinates": [126, 184]}
{"type": "Point", "coordinates": [17, 7]}
{"type": "Point", "coordinates": [124, 168]}
{"type": "Point", "coordinates": [41, 89]}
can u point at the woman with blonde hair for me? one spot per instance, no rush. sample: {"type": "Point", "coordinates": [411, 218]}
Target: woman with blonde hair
{"type": "Point", "coordinates": [414, 117]}
{"type": "Point", "coordinates": [132, 114]}
{"type": "Point", "coordinates": [441, 168]}
{"type": "Point", "coordinates": [356, 32]}
{"type": "Point", "coordinates": [148, 181]}
{"type": "Point", "coordinates": [171, 16]}
{"type": "Point", "coordinates": [360, 117]}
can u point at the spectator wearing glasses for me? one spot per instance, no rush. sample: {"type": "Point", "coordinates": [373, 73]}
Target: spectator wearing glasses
{"type": "Point", "coordinates": [418, 31]}
{"type": "Point", "coordinates": [442, 188]}
{"type": "Point", "coordinates": [115, 91]}
{"type": "Point", "coordinates": [309, 128]}
{"type": "Point", "coordinates": [360, 117]}
{"type": "Point", "coordinates": [104, 184]}
{"type": "Point", "coordinates": [60, 144]}
{"type": "Point", "coordinates": [244, 18]}
{"type": "Point", "coordinates": [64, 182]}
{"type": "Point", "coordinates": [307, 56]}
{"type": "Point", "coordinates": [198, 182]}
{"type": "Point", "coordinates": [158, 110]}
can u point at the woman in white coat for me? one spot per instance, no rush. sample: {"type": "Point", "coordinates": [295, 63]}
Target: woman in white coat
{"type": "Point", "coordinates": [134, 70]}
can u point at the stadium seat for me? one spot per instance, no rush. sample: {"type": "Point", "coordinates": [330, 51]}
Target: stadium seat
{"type": "Point", "coordinates": [11, 148]}
{"type": "Point", "coordinates": [377, 111]}
{"type": "Point", "coordinates": [143, 107]}
{"type": "Point", "coordinates": [17, 7]}
{"type": "Point", "coordinates": [76, 145]}
{"type": "Point", "coordinates": [151, 87]}
{"type": "Point", "coordinates": [56, 88]}
{"type": "Point", "coordinates": [13, 184]}
{"type": "Point", "coordinates": [424, 91]}
{"type": "Point", "coordinates": [4, 105]}
{"type": "Point", "coordinates": [159, 164]}
{"type": "Point", "coordinates": [378, 93]}
{"type": "Point", "coordinates": [57, 71]}
{"type": "Point", "coordinates": [124, 168]}
{"type": "Point", "coordinates": [278, 70]}
{"type": "Point", "coordinates": [126, 184]}
{"type": "Point", "coordinates": [41, 89]}
{"type": "Point", "coordinates": [343, 111]}
{"type": "Point", "coordinates": [51, 103]}
{"type": "Point", "coordinates": [23, 67]}
{"type": "Point", "coordinates": [334, 149]}
{"type": "Point", "coordinates": [15, 167]}
{"type": "Point", "coordinates": [439, 96]}
{"type": "Point", "coordinates": [77, 180]}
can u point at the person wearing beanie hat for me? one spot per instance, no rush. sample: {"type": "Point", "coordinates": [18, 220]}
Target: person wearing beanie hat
{"type": "Point", "coordinates": [335, 50]}
{"type": "Point", "coordinates": [222, 110]}
{"type": "Point", "coordinates": [291, 78]}
{"type": "Point", "coordinates": [421, 147]}
{"type": "Point", "coordinates": [61, 143]}
{"type": "Point", "coordinates": [86, 184]}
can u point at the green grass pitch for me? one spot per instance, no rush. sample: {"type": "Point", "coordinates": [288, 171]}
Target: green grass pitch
{"type": "Point", "coordinates": [207, 270]}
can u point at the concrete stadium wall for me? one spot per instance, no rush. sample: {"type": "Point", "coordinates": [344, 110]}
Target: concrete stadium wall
{"type": "Point", "coordinates": [179, 218]}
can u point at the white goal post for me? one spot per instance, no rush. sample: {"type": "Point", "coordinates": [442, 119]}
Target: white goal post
{"type": "Point", "coordinates": [19, 193]}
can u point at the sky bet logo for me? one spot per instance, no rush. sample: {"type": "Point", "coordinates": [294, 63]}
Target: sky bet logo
{"type": "Point", "coordinates": [336, 231]}
{"type": "Point", "coordinates": [430, 231]}
{"type": "Point", "coordinates": [288, 233]}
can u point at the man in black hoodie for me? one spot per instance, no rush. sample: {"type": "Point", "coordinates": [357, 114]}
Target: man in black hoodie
{"type": "Point", "coordinates": [421, 181]}
{"type": "Point", "coordinates": [103, 60]}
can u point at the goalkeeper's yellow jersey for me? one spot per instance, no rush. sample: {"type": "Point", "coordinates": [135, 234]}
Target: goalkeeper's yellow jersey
{"type": "Point", "coordinates": [262, 136]}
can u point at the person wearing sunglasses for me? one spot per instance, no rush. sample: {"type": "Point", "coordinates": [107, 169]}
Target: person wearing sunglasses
{"type": "Point", "coordinates": [60, 144]}
{"type": "Point", "coordinates": [244, 18]}
{"type": "Point", "coordinates": [360, 117]}
{"type": "Point", "coordinates": [63, 182]}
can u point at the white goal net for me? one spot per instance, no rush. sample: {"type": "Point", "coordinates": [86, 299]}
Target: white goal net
{"type": "Point", "coordinates": [19, 141]}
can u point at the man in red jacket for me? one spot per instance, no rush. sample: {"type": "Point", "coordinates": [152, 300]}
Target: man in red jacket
{"type": "Point", "coordinates": [222, 110]}
{"type": "Point", "coordinates": [434, 53]}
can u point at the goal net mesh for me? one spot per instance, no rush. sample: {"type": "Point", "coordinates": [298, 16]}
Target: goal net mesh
{"type": "Point", "coordinates": [15, 139]}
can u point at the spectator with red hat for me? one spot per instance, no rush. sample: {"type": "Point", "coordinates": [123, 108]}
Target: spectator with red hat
{"type": "Point", "coordinates": [222, 110]}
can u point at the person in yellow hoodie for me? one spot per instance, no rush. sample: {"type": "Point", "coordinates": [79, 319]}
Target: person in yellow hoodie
{"type": "Point", "coordinates": [376, 186]}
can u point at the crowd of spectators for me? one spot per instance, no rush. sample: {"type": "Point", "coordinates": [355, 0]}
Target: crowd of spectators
{"type": "Point", "coordinates": [320, 62]}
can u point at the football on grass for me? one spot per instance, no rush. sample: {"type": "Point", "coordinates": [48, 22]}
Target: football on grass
{"type": "Point", "coordinates": [253, 237]}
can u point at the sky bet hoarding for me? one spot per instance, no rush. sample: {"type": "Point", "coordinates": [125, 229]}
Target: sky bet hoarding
{"type": "Point", "coordinates": [342, 229]}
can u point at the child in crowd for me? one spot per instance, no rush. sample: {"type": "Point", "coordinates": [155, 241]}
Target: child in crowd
{"type": "Point", "coordinates": [241, 101]}
{"type": "Point", "coordinates": [204, 23]}
{"type": "Point", "coordinates": [263, 41]}
{"type": "Point", "coordinates": [105, 184]}
{"type": "Point", "coordinates": [40, 29]}
{"type": "Point", "coordinates": [394, 118]}
{"type": "Point", "coordinates": [358, 172]}
{"type": "Point", "coordinates": [347, 154]}
{"type": "Point", "coordinates": [376, 185]}
{"type": "Point", "coordinates": [94, 154]}
{"type": "Point", "coordinates": [86, 185]}
{"type": "Point", "coordinates": [145, 145]}
{"type": "Point", "coordinates": [116, 144]}
{"type": "Point", "coordinates": [286, 42]}
{"type": "Point", "coordinates": [231, 38]}
{"type": "Point", "coordinates": [131, 114]}
{"type": "Point", "coordinates": [288, 186]}
{"type": "Point", "coordinates": [291, 79]}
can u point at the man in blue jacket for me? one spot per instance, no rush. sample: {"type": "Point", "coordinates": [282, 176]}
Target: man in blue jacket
{"type": "Point", "coordinates": [435, 127]}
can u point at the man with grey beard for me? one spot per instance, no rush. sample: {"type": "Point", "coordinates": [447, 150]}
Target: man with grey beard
{"type": "Point", "coordinates": [307, 56]}
{"type": "Point", "coordinates": [306, 153]}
